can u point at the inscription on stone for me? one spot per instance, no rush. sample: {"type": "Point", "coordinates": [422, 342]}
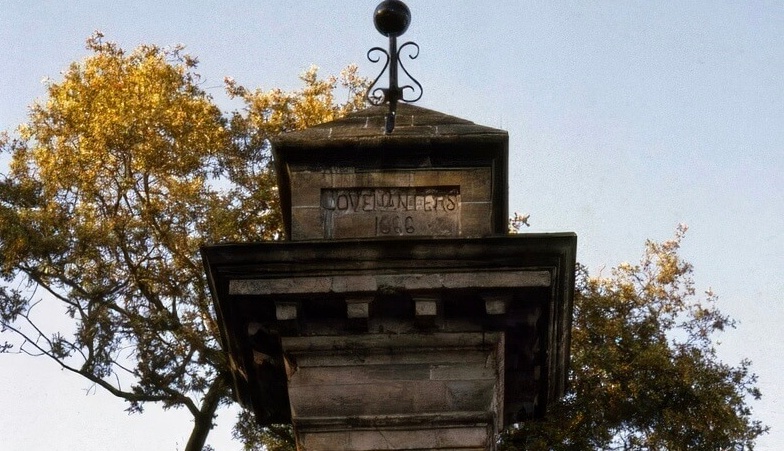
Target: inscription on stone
{"type": "Point", "coordinates": [390, 211]}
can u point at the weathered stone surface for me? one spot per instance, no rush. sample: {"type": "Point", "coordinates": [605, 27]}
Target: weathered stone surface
{"type": "Point", "coordinates": [285, 311]}
{"type": "Point", "coordinates": [496, 303]}
{"type": "Point", "coordinates": [325, 279]}
{"type": "Point", "coordinates": [425, 307]}
{"type": "Point", "coordinates": [338, 203]}
{"type": "Point", "coordinates": [465, 438]}
{"type": "Point", "coordinates": [373, 283]}
{"type": "Point", "coordinates": [429, 151]}
{"type": "Point", "coordinates": [358, 307]}
{"type": "Point", "coordinates": [446, 342]}
{"type": "Point", "coordinates": [443, 390]}
{"type": "Point", "coordinates": [390, 211]}
{"type": "Point", "coordinates": [306, 219]}
{"type": "Point", "coordinates": [414, 125]}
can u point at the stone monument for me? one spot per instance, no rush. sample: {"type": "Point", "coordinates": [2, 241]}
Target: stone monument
{"type": "Point", "coordinates": [398, 314]}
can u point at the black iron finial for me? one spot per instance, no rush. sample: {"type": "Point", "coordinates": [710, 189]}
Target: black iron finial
{"type": "Point", "coordinates": [392, 18]}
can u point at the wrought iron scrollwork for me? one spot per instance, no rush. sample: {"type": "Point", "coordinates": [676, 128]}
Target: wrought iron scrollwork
{"type": "Point", "coordinates": [391, 19]}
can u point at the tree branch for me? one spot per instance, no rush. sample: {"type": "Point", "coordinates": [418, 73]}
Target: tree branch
{"type": "Point", "coordinates": [171, 395]}
{"type": "Point", "coordinates": [203, 421]}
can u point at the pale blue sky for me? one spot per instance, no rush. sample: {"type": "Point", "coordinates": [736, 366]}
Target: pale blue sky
{"type": "Point", "coordinates": [625, 118]}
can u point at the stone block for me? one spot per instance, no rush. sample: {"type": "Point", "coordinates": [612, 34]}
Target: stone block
{"type": "Point", "coordinates": [468, 395]}
{"type": "Point", "coordinates": [477, 185]}
{"type": "Point", "coordinates": [322, 441]}
{"type": "Point", "coordinates": [464, 438]}
{"type": "Point", "coordinates": [425, 307]}
{"type": "Point", "coordinates": [439, 374]}
{"type": "Point", "coordinates": [360, 374]}
{"type": "Point", "coordinates": [496, 303]}
{"type": "Point", "coordinates": [346, 178]}
{"type": "Point", "coordinates": [462, 371]}
{"type": "Point", "coordinates": [476, 218]}
{"type": "Point", "coordinates": [358, 307]}
{"type": "Point", "coordinates": [441, 356]}
{"type": "Point", "coordinates": [285, 311]}
{"type": "Point", "coordinates": [306, 223]}
{"type": "Point", "coordinates": [390, 282]}
{"type": "Point", "coordinates": [313, 219]}
{"type": "Point", "coordinates": [306, 187]}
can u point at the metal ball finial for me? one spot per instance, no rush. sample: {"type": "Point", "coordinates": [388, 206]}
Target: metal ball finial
{"type": "Point", "coordinates": [392, 18]}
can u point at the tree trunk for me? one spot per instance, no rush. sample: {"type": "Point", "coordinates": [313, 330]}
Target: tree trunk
{"type": "Point", "coordinates": [203, 421]}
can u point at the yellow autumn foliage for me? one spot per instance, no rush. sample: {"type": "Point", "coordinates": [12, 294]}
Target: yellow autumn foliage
{"type": "Point", "coordinates": [115, 181]}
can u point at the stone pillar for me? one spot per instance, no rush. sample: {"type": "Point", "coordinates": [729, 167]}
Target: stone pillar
{"type": "Point", "coordinates": [385, 392]}
{"type": "Point", "coordinates": [399, 315]}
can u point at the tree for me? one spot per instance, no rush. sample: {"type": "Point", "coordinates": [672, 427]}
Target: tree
{"type": "Point", "coordinates": [129, 166]}
{"type": "Point", "coordinates": [644, 369]}
{"type": "Point", "coordinates": [114, 183]}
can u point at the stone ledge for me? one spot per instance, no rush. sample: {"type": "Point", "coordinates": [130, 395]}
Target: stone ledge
{"type": "Point", "coordinates": [384, 342]}
{"type": "Point", "coordinates": [373, 283]}
{"type": "Point", "coordinates": [475, 438]}
{"type": "Point", "coordinates": [466, 431]}
{"type": "Point", "coordinates": [407, 421]}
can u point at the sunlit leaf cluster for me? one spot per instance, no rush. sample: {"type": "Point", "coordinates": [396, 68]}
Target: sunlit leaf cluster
{"type": "Point", "coordinates": [115, 181]}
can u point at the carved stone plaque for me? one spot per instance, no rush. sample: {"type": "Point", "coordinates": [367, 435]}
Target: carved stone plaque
{"type": "Point", "coordinates": [362, 212]}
